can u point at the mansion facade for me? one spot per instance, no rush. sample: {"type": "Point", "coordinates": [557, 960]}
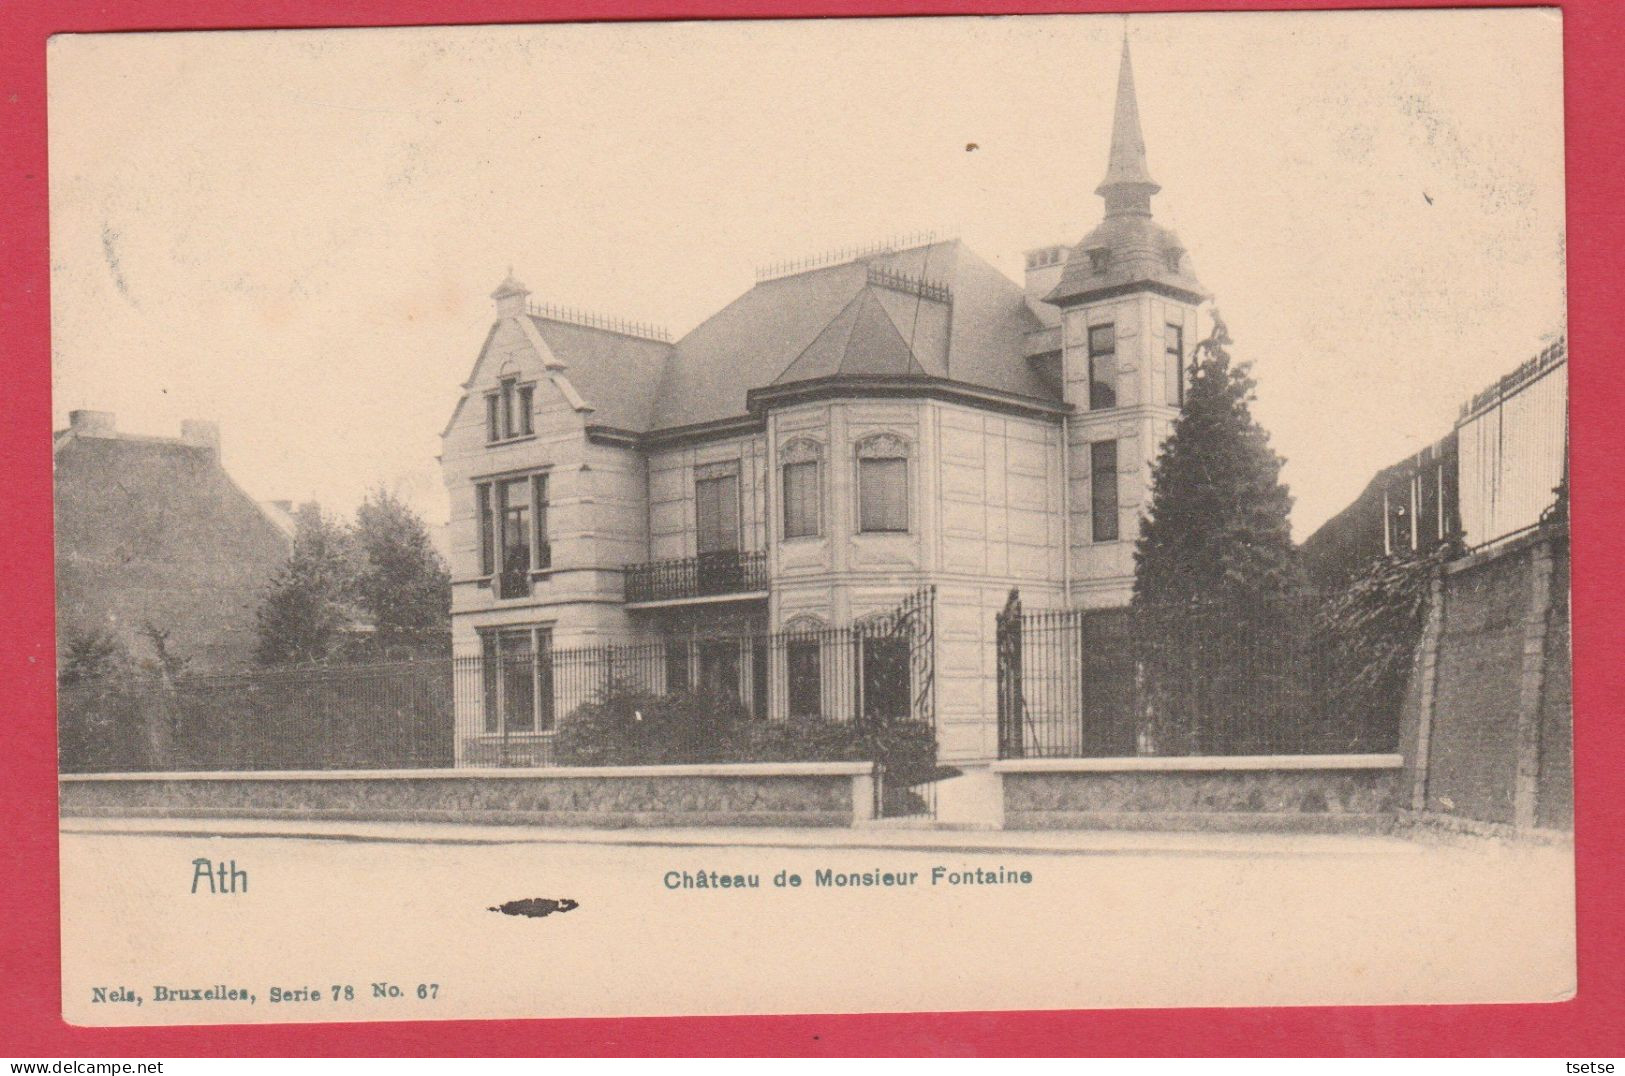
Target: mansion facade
{"type": "Point", "coordinates": [847, 433]}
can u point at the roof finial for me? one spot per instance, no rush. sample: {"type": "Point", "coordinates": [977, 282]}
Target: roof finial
{"type": "Point", "coordinates": [1128, 185]}
{"type": "Point", "coordinates": [510, 296]}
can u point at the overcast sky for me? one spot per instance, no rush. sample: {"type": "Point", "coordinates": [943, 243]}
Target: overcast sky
{"type": "Point", "coordinates": [295, 233]}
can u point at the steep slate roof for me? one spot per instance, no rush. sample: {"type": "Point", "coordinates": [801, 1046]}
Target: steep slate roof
{"type": "Point", "coordinates": [617, 373]}
{"type": "Point", "coordinates": [834, 320]}
{"type": "Point", "coordinates": [863, 339]}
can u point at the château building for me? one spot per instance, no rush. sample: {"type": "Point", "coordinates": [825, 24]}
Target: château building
{"type": "Point", "coordinates": [849, 431]}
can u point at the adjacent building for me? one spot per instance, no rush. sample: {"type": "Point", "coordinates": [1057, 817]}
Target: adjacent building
{"type": "Point", "coordinates": [1493, 476]}
{"type": "Point", "coordinates": [153, 538]}
{"type": "Point", "coordinates": [852, 430]}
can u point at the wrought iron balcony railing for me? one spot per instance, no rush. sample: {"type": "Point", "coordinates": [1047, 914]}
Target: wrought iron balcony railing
{"type": "Point", "coordinates": [697, 577]}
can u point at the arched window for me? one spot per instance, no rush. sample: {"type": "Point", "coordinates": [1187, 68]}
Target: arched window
{"type": "Point", "coordinates": [801, 488]}
{"type": "Point", "coordinates": [883, 484]}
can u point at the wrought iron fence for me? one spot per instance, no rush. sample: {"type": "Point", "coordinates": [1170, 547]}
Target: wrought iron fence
{"type": "Point", "coordinates": [728, 572]}
{"type": "Point", "coordinates": [506, 705]}
{"type": "Point", "coordinates": [881, 669]}
{"type": "Point", "coordinates": [1268, 678]}
{"type": "Point", "coordinates": [357, 716]}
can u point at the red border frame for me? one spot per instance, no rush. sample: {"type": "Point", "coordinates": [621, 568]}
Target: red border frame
{"type": "Point", "coordinates": [1593, 1024]}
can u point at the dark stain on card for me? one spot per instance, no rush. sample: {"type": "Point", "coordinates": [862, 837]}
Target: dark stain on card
{"type": "Point", "coordinates": [535, 907]}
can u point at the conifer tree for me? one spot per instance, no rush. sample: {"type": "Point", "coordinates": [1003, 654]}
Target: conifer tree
{"type": "Point", "coordinates": [1217, 632]}
{"type": "Point", "coordinates": [403, 585]}
{"type": "Point", "coordinates": [1217, 528]}
{"type": "Point", "coordinates": [312, 599]}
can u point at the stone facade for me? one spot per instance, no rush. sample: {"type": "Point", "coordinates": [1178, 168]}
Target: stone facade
{"type": "Point", "coordinates": [1010, 430]}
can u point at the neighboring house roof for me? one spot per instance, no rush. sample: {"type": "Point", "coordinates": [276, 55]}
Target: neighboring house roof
{"type": "Point", "coordinates": [99, 426]}
{"type": "Point", "coordinates": [152, 531]}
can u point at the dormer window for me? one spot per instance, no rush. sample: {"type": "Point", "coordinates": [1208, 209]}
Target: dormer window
{"type": "Point", "coordinates": [1173, 256]}
{"type": "Point", "coordinates": [509, 410]}
{"type": "Point", "coordinates": [1100, 259]}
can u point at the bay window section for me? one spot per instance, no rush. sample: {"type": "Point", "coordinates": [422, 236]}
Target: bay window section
{"type": "Point", "coordinates": [800, 489]}
{"type": "Point", "coordinates": [883, 485]}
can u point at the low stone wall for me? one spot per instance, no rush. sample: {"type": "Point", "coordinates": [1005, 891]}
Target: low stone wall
{"type": "Point", "coordinates": [1265, 792]}
{"type": "Point", "coordinates": [744, 794]}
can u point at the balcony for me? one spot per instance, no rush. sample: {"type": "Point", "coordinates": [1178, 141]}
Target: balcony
{"type": "Point", "coordinates": [722, 575]}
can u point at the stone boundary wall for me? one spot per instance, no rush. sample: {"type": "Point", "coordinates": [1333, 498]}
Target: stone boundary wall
{"type": "Point", "coordinates": [745, 794]}
{"type": "Point", "coordinates": [1487, 730]}
{"type": "Point", "coordinates": [1297, 793]}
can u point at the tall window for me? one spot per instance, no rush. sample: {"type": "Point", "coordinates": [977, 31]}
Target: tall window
{"type": "Point", "coordinates": [719, 667]}
{"type": "Point", "coordinates": [676, 665]}
{"type": "Point", "coordinates": [1173, 361]}
{"type": "Point", "coordinates": [1102, 367]}
{"type": "Point", "coordinates": [513, 531]}
{"type": "Point", "coordinates": [518, 679]}
{"type": "Point", "coordinates": [883, 677]}
{"type": "Point", "coordinates": [806, 694]}
{"type": "Point", "coordinates": [883, 485]}
{"type": "Point", "coordinates": [800, 489]}
{"type": "Point", "coordinates": [716, 508]}
{"type": "Point", "coordinates": [1103, 490]}
{"type": "Point", "coordinates": [482, 494]}
{"type": "Point", "coordinates": [510, 410]}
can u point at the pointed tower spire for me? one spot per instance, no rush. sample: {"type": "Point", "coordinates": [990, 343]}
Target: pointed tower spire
{"type": "Point", "coordinates": [1128, 185]}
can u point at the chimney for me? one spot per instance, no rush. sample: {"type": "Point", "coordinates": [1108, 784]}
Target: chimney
{"type": "Point", "coordinates": [202, 434]}
{"type": "Point", "coordinates": [91, 423]}
{"type": "Point", "coordinates": [511, 296]}
{"type": "Point", "coordinates": [1044, 267]}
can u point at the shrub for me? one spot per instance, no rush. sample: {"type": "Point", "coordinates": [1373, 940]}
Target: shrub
{"type": "Point", "coordinates": [625, 728]}
{"type": "Point", "coordinates": [630, 728]}
{"type": "Point", "coordinates": [1366, 636]}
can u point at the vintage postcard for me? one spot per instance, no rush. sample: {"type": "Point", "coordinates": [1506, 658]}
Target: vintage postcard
{"type": "Point", "coordinates": [812, 516]}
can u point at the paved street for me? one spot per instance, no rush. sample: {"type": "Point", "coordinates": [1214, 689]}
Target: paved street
{"type": "Point", "coordinates": [1105, 920]}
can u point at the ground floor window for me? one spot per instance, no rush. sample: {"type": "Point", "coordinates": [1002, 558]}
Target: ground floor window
{"type": "Point", "coordinates": [758, 678]}
{"type": "Point", "coordinates": [806, 688]}
{"type": "Point", "coordinates": [883, 680]}
{"type": "Point", "coordinates": [676, 666]}
{"type": "Point", "coordinates": [719, 667]}
{"type": "Point", "coordinates": [517, 675]}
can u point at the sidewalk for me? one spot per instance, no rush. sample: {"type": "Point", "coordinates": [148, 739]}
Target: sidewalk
{"type": "Point", "coordinates": [1045, 842]}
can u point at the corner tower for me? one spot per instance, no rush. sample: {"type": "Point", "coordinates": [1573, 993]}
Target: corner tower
{"type": "Point", "coordinates": [1128, 300]}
